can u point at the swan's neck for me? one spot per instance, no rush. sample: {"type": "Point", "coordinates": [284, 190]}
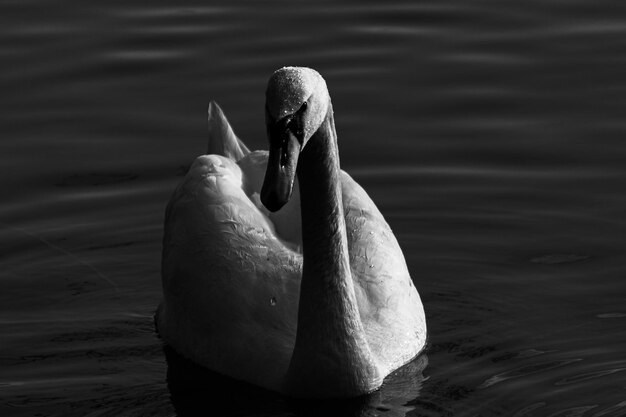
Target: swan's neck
{"type": "Point", "coordinates": [325, 246]}
{"type": "Point", "coordinates": [331, 355]}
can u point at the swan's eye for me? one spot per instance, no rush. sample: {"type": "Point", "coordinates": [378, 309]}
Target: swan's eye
{"type": "Point", "coordinates": [304, 106]}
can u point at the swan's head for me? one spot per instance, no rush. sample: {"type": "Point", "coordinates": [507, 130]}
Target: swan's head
{"type": "Point", "coordinates": [297, 103]}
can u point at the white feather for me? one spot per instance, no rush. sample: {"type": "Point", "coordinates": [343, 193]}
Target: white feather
{"type": "Point", "coordinates": [232, 272]}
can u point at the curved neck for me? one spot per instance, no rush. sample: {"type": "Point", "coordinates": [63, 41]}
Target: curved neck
{"type": "Point", "coordinates": [331, 356]}
{"type": "Point", "coordinates": [324, 242]}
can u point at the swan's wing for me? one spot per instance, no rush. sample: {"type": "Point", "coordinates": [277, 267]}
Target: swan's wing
{"type": "Point", "coordinates": [222, 138]}
{"type": "Point", "coordinates": [230, 284]}
{"type": "Point", "coordinates": [287, 221]}
{"type": "Point", "coordinates": [389, 304]}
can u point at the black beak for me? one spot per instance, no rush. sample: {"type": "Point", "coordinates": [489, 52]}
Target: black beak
{"type": "Point", "coordinates": [281, 168]}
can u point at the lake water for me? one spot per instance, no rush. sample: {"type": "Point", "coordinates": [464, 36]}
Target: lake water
{"type": "Point", "coordinates": [491, 135]}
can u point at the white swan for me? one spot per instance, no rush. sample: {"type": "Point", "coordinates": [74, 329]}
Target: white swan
{"type": "Point", "coordinates": [314, 300]}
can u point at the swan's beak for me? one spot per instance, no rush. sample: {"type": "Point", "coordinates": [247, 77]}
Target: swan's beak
{"type": "Point", "coordinates": [281, 170]}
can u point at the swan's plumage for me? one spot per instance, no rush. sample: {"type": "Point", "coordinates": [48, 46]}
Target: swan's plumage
{"type": "Point", "coordinates": [231, 286]}
{"type": "Point", "coordinates": [232, 270]}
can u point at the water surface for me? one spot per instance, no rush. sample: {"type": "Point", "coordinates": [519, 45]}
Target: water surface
{"type": "Point", "coordinates": [490, 134]}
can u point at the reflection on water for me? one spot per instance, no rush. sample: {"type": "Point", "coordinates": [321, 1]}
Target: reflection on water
{"type": "Point", "coordinates": [197, 391]}
{"type": "Point", "coordinates": [489, 134]}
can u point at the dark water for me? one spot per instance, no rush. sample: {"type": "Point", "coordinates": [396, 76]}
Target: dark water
{"type": "Point", "coordinates": [491, 134]}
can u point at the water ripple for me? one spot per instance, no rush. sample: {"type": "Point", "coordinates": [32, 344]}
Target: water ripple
{"type": "Point", "coordinates": [573, 411]}
{"type": "Point", "coordinates": [616, 410]}
{"type": "Point", "coordinates": [393, 30]}
{"type": "Point", "coordinates": [587, 376]}
{"type": "Point", "coordinates": [143, 55]}
{"type": "Point", "coordinates": [169, 12]}
{"type": "Point", "coordinates": [611, 315]}
{"type": "Point", "coordinates": [527, 370]}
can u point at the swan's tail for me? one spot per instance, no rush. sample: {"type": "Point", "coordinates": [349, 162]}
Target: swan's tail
{"type": "Point", "coordinates": [222, 139]}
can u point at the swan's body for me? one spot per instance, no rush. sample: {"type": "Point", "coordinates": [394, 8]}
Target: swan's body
{"type": "Point", "coordinates": [313, 300]}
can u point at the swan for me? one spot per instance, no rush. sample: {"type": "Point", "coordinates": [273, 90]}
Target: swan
{"type": "Point", "coordinates": [277, 267]}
